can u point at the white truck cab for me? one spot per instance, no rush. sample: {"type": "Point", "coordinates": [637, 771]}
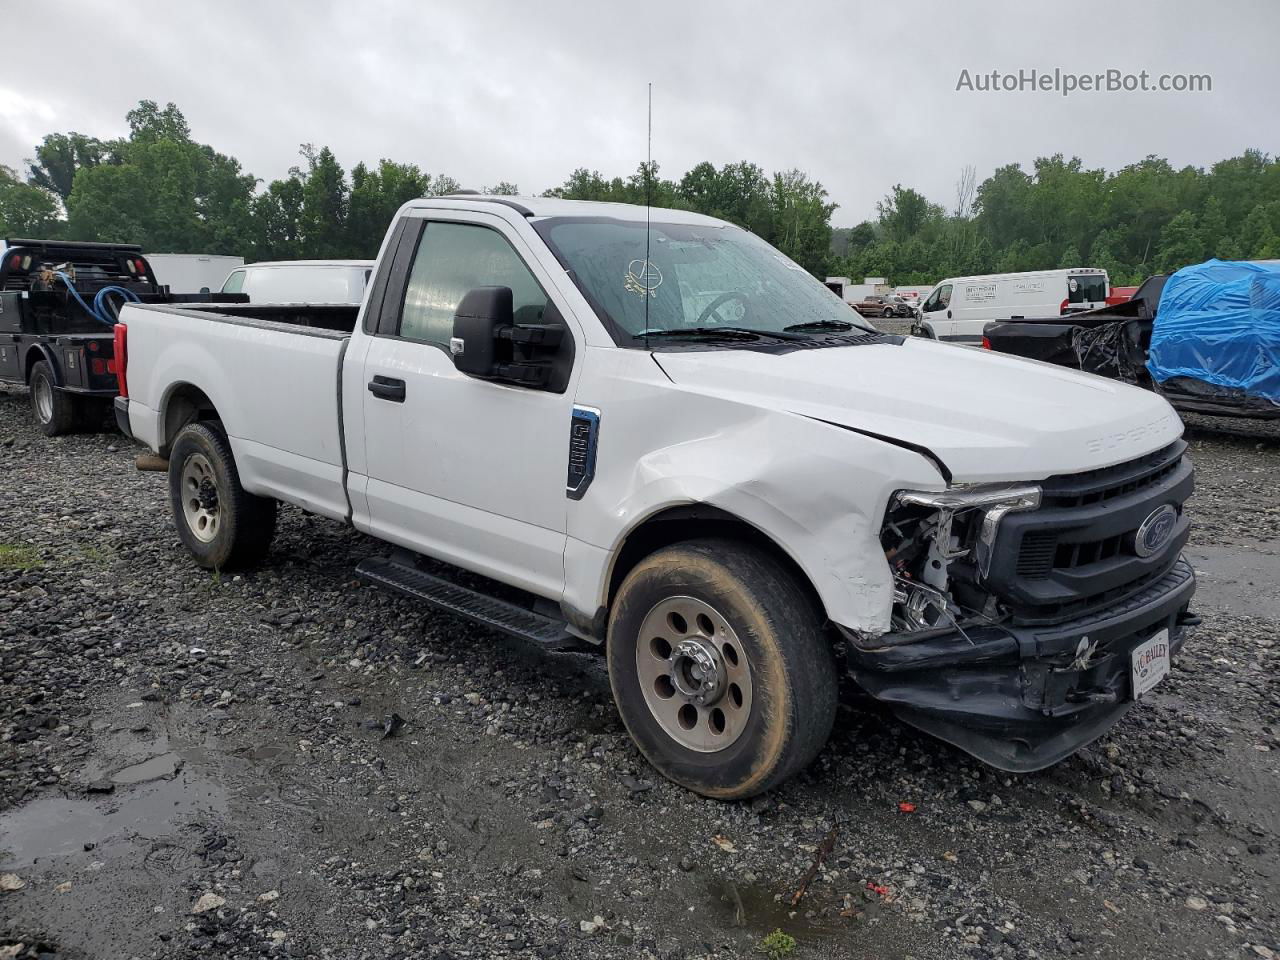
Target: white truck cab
{"type": "Point", "coordinates": [661, 436]}
{"type": "Point", "coordinates": [957, 308]}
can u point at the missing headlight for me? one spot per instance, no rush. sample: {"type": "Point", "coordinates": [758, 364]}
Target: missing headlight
{"type": "Point", "coordinates": [939, 543]}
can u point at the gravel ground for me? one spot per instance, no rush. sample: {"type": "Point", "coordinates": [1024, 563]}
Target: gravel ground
{"type": "Point", "coordinates": [293, 764]}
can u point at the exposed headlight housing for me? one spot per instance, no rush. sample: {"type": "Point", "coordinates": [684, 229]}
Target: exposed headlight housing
{"type": "Point", "coordinates": [939, 544]}
{"type": "Point", "coordinates": [996, 500]}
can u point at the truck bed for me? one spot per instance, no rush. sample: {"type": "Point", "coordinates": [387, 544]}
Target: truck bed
{"type": "Point", "coordinates": [270, 373]}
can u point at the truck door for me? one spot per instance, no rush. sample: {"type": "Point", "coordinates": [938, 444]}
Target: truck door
{"type": "Point", "coordinates": [465, 470]}
{"type": "Point", "coordinates": [936, 313]}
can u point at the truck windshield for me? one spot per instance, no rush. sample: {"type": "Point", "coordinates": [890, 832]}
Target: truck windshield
{"type": "Point", "coordinates": [695, 277]}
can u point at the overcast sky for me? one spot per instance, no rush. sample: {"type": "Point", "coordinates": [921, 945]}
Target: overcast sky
{"type": "Point", "coordinates": [859, 95]}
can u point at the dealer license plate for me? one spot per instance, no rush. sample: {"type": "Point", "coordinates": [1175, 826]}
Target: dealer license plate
{"type": "Point", "coordinates": [1150, 663]}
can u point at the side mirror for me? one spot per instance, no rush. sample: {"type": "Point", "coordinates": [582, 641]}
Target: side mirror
{"type": "Point", "coordinates": [481, 314]}
{"type": "Point", "coordinates": [487, 344]}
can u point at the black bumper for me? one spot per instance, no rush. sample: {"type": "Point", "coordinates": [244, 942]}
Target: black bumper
{"type": "Point", "coordinates": [121, 407]}
{"type": "Point", "coordinates": [1014, 697]}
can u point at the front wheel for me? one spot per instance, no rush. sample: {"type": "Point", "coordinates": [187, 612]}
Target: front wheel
{"type": "Point", "coordinates": [222, 524]}
{"type": "Point", "coordinates": [720, 668]}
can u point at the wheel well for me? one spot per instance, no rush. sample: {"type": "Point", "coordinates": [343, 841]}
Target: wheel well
{"type": "Point", "coordinates": [186, 404]}
{"type": "Point", "coordinates": [34, 356]}
{"type": "Point", "coordinates": [697, 522]}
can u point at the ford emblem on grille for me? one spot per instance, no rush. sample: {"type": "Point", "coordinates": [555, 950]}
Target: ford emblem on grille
{"type": "Point", "coordinates": [1155, 531]}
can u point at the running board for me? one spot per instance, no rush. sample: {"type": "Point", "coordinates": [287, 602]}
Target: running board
{"type": "Point", "coordinates": [467, 603]}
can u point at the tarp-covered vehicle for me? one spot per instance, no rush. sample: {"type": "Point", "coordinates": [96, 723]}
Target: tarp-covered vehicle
{"type": "Point", "coordinates": [1206, 337]}
{"type": "Point", "coordinates": [1215, 345]}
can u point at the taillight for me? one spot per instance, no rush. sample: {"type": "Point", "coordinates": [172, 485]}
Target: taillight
{"type": "Point", "coordinates": [1062, 310]}
{"type": "Point", "coordinates": [141, 267]}
{"type": "Point", "coordinates": [15, 262]}
{"type": "Point", "coordinates": [99, 366]}
{"type": "Point", "coordinates": [986, 343]}
{"type": "Point", "coordinates": [120, 362]}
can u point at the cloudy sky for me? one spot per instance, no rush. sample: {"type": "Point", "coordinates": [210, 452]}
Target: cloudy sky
{"type": "Point", "coordinates": [859, 95]}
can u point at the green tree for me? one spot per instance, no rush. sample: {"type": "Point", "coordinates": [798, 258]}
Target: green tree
{"type": "Point", "coordinates": [163, 190]}
{"type": "Point", "coordinates": [905, 212]}
{"type": "Point", "coordinates": [26, 210]}
{"type": "Point", "coordinates": [325, 197]}
{"type": "Point", "coordinates": [59, 156]}
{"type": "Point", "coordinates": [375, 197]}
{"type": "Point", "coordinates": [277, 226]}
{"type": "Point", "coordinates": [1180, 243]}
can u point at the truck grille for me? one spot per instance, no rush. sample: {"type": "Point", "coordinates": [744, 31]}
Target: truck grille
{"type": "Point", "coordinates": [1077, 551]}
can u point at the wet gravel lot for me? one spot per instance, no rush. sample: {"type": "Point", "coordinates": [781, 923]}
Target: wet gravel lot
{"type": "Point", "coordinates": [293, 764]}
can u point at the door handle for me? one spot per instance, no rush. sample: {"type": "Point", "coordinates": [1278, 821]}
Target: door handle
{"type": "Point", "coordinates": [387, 388]}
{"type": "Point", "coordinates": [948, 314]}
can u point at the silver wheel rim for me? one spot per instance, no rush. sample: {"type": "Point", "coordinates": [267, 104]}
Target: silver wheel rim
{"type": "Point", "coordinates": [694, 674]}
{"type": "Point", "coordinates": [42, 393]}
{"type": "Point", "coordinates": [200, 497]}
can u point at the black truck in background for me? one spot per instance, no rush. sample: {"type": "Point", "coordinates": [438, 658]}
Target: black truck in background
{"type": "Point", "coordinates": [58, 302]}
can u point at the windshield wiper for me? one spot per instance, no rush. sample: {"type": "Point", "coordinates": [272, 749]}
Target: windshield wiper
{"type": "Point", "coordinates": [830, 325]}
{"type": "Point", "coordinates": [722, 333]}
{"type": "Point", "coordinates": [821, 325]}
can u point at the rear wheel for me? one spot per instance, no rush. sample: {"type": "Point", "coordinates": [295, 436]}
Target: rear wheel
{"type": "Point", "coordinates": [222, 524]}
{"type": "Point", "coordinates": [720, 668]}
{"type": "Point", "coordinates": [54, 411]}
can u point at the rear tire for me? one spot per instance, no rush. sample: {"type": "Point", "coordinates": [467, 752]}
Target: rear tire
{"type": "Point", "coordinates": [223, 525]}
{"type": "Point", "coordinates": [54, 411]}
{"type": "Point", "coordinates": [723, 621]}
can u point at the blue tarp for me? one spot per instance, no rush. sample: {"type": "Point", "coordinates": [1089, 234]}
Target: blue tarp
{"type": "Point", "coordinates": [1219, 322]}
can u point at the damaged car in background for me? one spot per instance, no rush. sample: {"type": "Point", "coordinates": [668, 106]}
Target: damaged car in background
{"type": "Point", "coordinates": [1207, 338]}
{"type": "Point", "coordinates": [653, 433]}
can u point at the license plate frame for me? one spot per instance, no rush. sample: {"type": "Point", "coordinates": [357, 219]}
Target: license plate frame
{"type": "Point", "coordinates": [1149, 662]}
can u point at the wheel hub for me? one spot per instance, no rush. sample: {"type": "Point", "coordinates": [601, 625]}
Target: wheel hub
{"type": "Point", "coordinates": [698, 670]}
{"type": "Point", "coordinates": [694, 674]}
{"type": "Point", "coordinates": [199, 492]}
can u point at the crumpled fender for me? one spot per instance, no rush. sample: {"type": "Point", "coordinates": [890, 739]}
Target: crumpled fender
{"type": "Point", "coordinates": [817, 490]}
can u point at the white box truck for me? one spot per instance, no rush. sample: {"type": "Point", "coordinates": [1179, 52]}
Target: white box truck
{"type": "Point", "coordinates": [192, 272]}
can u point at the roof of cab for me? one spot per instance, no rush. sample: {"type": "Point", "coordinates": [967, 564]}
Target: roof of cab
{"type": "Point", "coordinates": [542, 207]}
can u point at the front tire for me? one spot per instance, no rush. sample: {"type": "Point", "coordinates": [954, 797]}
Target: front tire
{"type": "Point", "coordinates": [54, 411]}
{"type": "Point", "coordinates": [720, 668]}
{"type": "Point", "coordinates": [223, 525]}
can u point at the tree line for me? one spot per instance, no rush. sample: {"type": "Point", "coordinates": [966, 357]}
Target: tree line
{"type": "Point", "coordinates": [160, 188]}
{"type": "Point", "coordinates": [1145, 218]}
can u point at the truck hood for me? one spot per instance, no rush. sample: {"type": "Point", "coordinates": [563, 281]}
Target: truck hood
{"type": "Point", "coordinates": [985, 416]}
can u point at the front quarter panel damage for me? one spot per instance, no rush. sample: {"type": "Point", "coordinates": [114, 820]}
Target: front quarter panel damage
{"type": "Point", "coordinates": [817, 491]}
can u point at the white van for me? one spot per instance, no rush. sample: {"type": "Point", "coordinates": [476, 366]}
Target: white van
{"type": "Point", "coordinates": [191, 272]}
{"type": "Point", "coordinates": [957, 309]}
{"type": "Point", "coordinates": [301, 281]}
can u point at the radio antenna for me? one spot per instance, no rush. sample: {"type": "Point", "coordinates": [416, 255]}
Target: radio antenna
{"type": "Point", "coordinates": [648, 202]}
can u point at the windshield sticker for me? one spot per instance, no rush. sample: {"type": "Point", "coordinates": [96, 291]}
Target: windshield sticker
{"type": "Point", "coordinates": [643, 278]}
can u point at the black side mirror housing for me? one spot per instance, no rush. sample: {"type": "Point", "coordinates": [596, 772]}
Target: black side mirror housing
{"type": "Point", "coordinates": [480, 315]}
{"type": "Point", "coordinates": [487, 343]}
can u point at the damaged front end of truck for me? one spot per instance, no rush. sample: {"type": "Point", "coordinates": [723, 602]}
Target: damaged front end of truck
{"type": "Point", "coordinates": [1021, 611]}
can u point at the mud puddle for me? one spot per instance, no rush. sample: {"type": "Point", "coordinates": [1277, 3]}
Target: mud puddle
{"type": "Point", "coordinates": [62, 828]}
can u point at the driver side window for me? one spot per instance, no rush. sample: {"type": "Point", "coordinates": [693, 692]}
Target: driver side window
{"type": "Point", "coordinates": [938, 300]}
{"type": "Point", "coordinates": [452, 259]}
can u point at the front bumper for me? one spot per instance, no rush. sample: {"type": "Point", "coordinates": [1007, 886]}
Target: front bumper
{"type": "Point", "coordinates": [1021, 698]}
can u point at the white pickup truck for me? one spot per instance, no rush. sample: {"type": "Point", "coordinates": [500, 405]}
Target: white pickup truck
{"type": "Point", "coordinates": [660, 435]}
